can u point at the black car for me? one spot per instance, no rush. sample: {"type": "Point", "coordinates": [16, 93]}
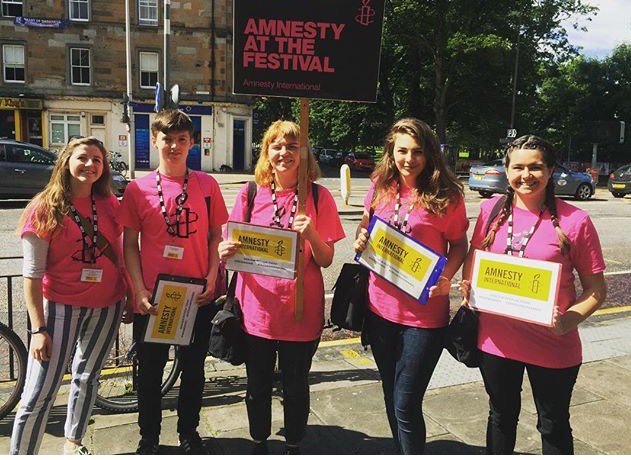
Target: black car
{"type": "Point", "coordinates": [25, 170]}
{"type": "Point", "coordinates": [619, 183]}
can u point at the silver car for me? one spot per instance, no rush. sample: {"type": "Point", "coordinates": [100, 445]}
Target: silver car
{"type": "Point", "coordinates": [25, 170]}
{"type": "Point", "coordinates": [490, 178]}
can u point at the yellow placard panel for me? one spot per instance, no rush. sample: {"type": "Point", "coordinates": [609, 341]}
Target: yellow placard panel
{"type": "Point", "coordinates": [530, 282]}
{"type": "Point", "coordinates": [264, 245]}
{"type": "Point", "coordinates": [170, 307]}
{"type": "Point", "coordinates": [399, 254]}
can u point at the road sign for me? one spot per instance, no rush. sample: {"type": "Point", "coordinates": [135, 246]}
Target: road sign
{"type": "Point", "coordinates": [511, 133]}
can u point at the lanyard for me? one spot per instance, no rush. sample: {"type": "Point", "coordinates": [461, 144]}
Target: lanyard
{"type": "Point", "coordinates": [277, 214]}
{"type": "Point", "coordinates": [180, 200]}
{"type": "Point", "coordinates": [525, 240]}
{"type": "Point", "coordinates": [403, 227]}
{"type": "Point", "coordinates": [85, 238]}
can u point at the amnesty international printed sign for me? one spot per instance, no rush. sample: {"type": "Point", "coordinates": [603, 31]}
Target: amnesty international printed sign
{"type": "Point", "coordinates": [176, 298]}
{"type": "Point", "coordinates": [264, 250]}
{"type": "Point", "coordinates": [400, 259]}
{"type": "Point", "coordinates": [322, 49]}
{"type": "Point", "coordinates": [519, 288]}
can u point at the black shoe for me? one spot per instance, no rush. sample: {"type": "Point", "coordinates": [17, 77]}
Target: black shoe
{"type": "Point", "coordinates": [292, 450]}
{"type": "Point", "coordinates": [193, 445]}
{"type": "Point", "coordinates": [147, 447]}
{"type": "Point", "coordinates": [260, 448]}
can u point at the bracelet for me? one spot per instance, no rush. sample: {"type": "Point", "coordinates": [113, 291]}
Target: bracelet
{"type": "Point", "coordinates": [38, 330]}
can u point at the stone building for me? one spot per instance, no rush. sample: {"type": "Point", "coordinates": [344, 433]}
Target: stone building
{"type": "Point", "coordinates": [64, 74]}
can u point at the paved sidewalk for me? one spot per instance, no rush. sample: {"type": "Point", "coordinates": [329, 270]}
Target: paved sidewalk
{"type": "Point", "coordinates": [347, 411]}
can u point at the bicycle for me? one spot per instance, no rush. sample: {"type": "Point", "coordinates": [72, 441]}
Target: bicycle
{"type": "Point", "coordinates": [13, 360]}
{"type": "Point", "coordinates": [117, 163]}
{"type": "Point", "coordinates": [117, 391]}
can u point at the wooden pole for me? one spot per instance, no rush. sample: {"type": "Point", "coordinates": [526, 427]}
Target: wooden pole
{"type": "Point", "coordinates": [303, 187]}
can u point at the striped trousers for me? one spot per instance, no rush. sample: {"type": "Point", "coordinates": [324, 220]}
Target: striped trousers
{"type": "Point", "coordinates": [91, 333]}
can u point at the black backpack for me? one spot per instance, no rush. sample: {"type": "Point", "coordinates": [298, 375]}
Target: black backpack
{"type": "Point", "coordinates": [227, 337]}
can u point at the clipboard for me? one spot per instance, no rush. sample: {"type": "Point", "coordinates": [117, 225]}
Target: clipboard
{"type": "Point", "coordinates": [176, 299]}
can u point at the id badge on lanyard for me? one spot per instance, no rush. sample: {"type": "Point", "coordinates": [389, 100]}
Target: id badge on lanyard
{"type": "Point", "coordinates": [92, 275]}
{"type": "Point", "coordinates": [173, 252]}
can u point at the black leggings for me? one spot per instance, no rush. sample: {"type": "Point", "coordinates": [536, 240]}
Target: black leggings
{"type": "Point", "coordinates": [552, 391]}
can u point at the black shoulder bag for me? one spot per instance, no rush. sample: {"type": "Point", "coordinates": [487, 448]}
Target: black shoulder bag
{"type": "Point", "coordinates": [461, 340]}
{"type": "Point", "coordinates": [350, 300]}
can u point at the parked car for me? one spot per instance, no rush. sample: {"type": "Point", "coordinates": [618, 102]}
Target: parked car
{"type": "Point", "coordinates": [328, 157]}
{"type": "Point", "coordinates": [25, 170]}
{"type": "Point", "coordinates": [490, 178]}
{"type": "Point", "coordinates": [360, 161]}
{"type": "Point", "coordinates": [619, 183]}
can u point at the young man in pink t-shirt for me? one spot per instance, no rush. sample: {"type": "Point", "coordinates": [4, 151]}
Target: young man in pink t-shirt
{"type": "Point", "coordinates": [177, 214]}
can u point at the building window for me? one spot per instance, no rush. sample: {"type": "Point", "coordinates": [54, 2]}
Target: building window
{"type": "Point", "coordinates": [12, 8]}
{"type": "Point", "coordinates": [148, 12]}
{"type": "Point", "coordinates": [98, 119]}
{"type": "Point", "coordinates": [80, 66]}
{"type": "Point", "coordinates": [79, 10]}
{"type": "Point", "coordinates": [63, 127]}
{"type": "Point", "coordinates": [13, 63]}
{"type": "Point", "coordinates": [148, 70]}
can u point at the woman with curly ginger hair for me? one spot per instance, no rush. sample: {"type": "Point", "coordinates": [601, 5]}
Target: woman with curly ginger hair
{"type": "Point", "coordinates": [74, 290]}
{"type": "Point", "coordinates": [406, 337]}
{"type": "Point", "coordinates": [268, 303]}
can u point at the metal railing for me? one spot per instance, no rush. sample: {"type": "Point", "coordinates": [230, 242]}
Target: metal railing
{"type": "Point", "coordinates": [10, 317]}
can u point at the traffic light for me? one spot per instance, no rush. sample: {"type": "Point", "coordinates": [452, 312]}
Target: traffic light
{"type": "Point", "coordinates": [606, 132]}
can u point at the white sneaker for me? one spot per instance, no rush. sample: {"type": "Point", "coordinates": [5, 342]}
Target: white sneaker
{"type": "Point", "coordinates": [75, 449]}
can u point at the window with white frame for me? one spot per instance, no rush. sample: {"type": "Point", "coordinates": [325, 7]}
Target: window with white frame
{"type": "Point", "coordinates": [63, 127]}
{"type": "Point", "coordinates": [12, 8]}
{"type": "Point", "coordinates": [13, 63]}
{"type": "Point", "coordinates": [79, 10]}
{"type": "Point", "coordinates": [149, 64]}
{"type": "Point", "coordinates": [80, 66]}
{"type": "Point", "coordinates": [148, 12]}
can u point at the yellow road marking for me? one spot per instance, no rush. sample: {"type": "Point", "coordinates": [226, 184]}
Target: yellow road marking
{"type": "Point", "coordinates": [611, 311]}
{"type": "Point", "coordinates": [335, 343]}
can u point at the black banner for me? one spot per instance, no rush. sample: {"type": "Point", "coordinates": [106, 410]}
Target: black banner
{"type": "Point", "coordinates": [321, 49]}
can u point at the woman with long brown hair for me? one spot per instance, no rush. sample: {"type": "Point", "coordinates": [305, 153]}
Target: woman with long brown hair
{"type": "Point", "coordinates": [534, 224]}
{"type": "Point", "coordinates": [414, 190]}
{"type": "Point", "coordinates": [74, 290]}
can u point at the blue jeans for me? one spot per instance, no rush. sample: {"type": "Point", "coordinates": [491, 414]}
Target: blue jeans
{"type": "Point", "coordinates": [406, 357]}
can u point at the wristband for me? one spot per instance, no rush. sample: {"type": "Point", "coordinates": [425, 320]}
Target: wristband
{"type": "Point", "coordinates": [38, 330]}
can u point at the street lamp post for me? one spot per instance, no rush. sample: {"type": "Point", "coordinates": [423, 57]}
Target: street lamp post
{"type": "Point", "coordinates": [515, 73]}
{"type": "Point", "coordinates": [167, 32]}
{"type": "Point", "coordinates": [129, 112]}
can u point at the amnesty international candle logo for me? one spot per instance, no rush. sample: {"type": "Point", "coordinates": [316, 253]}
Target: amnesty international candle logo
{"type": "Point", "coordinates": [400, 254]}
{"type": "Point", "coordinates": [263, 245]}
{"type": "Point", "coordinates": [520, 280]}
{"type": "Point", "coordinates": [171, 305]}
{"type": "Point", "coordinates": [366, 14]}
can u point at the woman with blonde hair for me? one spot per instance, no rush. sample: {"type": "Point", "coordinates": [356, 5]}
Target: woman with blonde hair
{"type": "Point", "coordinates": [267, 302]}
{"type": "Point", "coordinates": [414, 191]}
{"type": "Point", "coordinates": [74, 290]}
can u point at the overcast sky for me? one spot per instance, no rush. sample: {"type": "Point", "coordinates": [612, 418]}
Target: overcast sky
{"type": "Point", "coordinates": [610, 27]}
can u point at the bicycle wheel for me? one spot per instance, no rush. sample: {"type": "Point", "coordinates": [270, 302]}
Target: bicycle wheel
{"type": "Point", "coordinates": [117, 391]}
{"type": "Point", "coordinates": [13, 359]}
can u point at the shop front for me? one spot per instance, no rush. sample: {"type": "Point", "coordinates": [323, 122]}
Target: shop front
{"type": "Point", "coordinates": [21, 119]}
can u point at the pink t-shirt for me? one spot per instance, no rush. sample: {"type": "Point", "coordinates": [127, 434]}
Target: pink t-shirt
{"type": "Point", "coordinates": [532, 343]}
{"type": "Point", "coordinates": [386, 299]}
{"type": "Point", "coordinates": [267, 302]}
{"type": "Point", "coordinates": [64, 263]}
{"type": "Point", "coordinates": [204, 208]}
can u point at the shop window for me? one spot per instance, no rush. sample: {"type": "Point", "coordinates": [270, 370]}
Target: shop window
{"type": "Point", "coordinates": [80, 66]}
{"type": "Point", "coordinates": [63, 127]}
{"type": "Point", "coordinates": [12, 8]}
{"type": "Point", "coordinates": [79, 10]}
{"type": "Point", "coordinates": [148, 12]}
{"type": "Point", "coordinates": [13, 63]}
{"type": "Point", "coordinates": [148, 70]}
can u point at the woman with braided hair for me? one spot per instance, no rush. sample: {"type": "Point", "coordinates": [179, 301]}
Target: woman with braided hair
{"type": "Point", "coordinates": [533, 223]}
